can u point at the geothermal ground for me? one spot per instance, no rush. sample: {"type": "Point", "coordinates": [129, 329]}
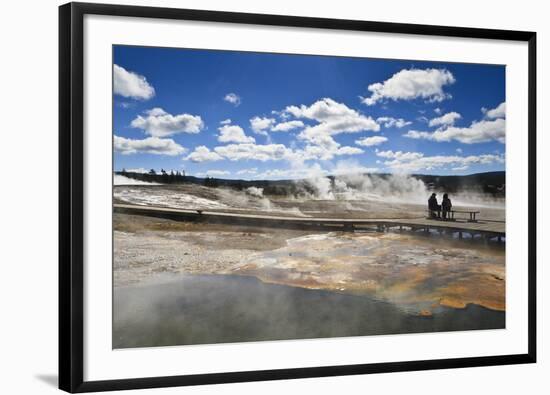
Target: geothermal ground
{"type": "Point", "coordinates": [425, 283]}
{"type": "Point", "coordinates": [347, 203]}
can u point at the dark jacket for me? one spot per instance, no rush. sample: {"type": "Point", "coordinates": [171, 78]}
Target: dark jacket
{"type": "Point", "coordinates": [432, 203]}
{"type": "Point", "coordinates": [446, 204]}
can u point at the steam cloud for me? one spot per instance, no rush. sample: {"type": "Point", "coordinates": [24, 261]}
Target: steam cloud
{"type": "Point", "coordinates": [394, 188]}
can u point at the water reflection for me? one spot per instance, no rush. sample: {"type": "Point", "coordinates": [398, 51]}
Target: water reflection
{"type": "Point", "coordinates": [197, 309]}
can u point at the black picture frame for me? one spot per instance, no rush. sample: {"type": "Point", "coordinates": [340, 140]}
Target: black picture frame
{"type": "Point", "coordinates": [71, 171]}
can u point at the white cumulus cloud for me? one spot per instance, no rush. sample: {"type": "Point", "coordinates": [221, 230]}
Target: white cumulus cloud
{"type": "Point", "coordinates": [233, 98]}
{"type": "Point", "coordinates": [130, 84]}
{"type": "Point", "coordinates": [371, 141]}
{"type": "Point", "coordinates": [332, 118]}
{"type": "Point", "coordinates": [390, 122]}
{"type": "Point", "coordinates": [448, 119]}
{"type": "Point", "coordinates": [252, 170]}
{"type": "Point", "coordinates": [286, 126]}
{"type": "Point", "coordinates": [250, 151]}
{"type": "Point", "coordinates": [233, 134]}
{"type": "Point", "coordinates": [478, 132]}
{"type": "Point", "coordinates": [150, 145]}
{"type": "Point", "coordinates": [498, 112]}
{"type": "Point", "coordinates": [415, 161]}
{"type": "Point", "coordinates": [412, 84]}
{"type": "Point", "coordinates": [203, 154]}
{"type": "Point", "coordinates": [158, 123]}
{"type": "Point", "coordinates": [302, 172]}
{"type": "Point", "coordinates": [324, 152]}
{"type": "Point", "coordinates": [399, 155]}
{"type": "Point", "coordinates": [260, 125]}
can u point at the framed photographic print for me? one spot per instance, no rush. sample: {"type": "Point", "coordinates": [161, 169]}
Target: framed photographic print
{"type": "Point", "coordinates": [253, 197]}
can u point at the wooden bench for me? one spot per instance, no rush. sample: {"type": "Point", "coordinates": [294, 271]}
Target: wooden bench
{"type": "Point", "coordinates": [472, 214]}
{"type": "Point", "coordinates": [436, 214]}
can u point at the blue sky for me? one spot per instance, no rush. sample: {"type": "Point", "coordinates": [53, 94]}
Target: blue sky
{"type": "Point", "coordinates": [257, 115]}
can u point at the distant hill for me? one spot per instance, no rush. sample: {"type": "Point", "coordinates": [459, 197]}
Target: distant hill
{"type": "Point", "coordinates": [492, 183]}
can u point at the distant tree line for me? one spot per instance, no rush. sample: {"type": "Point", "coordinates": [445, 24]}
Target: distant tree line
{"type": "Point", "coordinates": [163, 177]}
{"type": "Point", "coordinates": [491, 183]}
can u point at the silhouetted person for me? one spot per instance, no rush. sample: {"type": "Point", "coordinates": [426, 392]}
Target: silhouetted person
{"type": "Point", "coordinates": [446, 206]}
{"type": "Point", "coordinates": [434, 207]}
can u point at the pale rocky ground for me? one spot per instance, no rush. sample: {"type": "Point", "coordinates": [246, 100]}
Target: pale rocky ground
{"type": "Point", "coordinates": [144, 246]}
{"type": "Point", "coordinates": [416, 273]}
{"type": "Point", "coordinates": [360, 205]}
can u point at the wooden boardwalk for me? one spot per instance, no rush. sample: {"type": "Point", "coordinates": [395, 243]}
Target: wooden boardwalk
{"type": "Point", "coordinates": [484, 229]}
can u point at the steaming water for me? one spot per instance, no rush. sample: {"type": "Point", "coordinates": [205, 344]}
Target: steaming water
{"type": "Point", "coordinates": [396, 196]}
{"type": "Point", "coordinates": [196, 197]}
{"type": "Point", "coordinates": [179, 310]}
{"type": "Point", "coordinates": [396, 188]}
{"type": "Point", "coordinates": [166, 197]}
{"type": "Point", "coordinates": [122, 180]}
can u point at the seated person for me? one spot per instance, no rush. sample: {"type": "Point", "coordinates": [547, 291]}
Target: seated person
{"type": "Point", "coordinates": [446, 206]}
{"type": "Point", "coordinates": [434, 207]}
